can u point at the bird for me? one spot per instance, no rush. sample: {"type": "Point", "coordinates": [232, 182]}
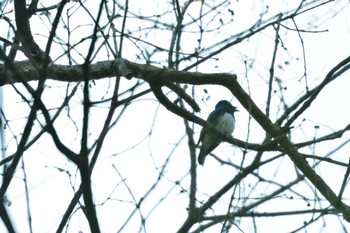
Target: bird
{"type": "Point", "coordinates": [223, 119]}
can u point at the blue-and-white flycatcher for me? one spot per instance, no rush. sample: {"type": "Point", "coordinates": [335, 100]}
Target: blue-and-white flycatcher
{"type": "Point", "coordinates": [223, 119]}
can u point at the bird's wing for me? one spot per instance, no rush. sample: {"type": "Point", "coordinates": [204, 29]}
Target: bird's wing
{"type": "Point", "coordinates": [212, 118]}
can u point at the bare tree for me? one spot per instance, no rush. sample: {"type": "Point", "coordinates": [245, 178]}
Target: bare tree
{"type": "Point", "coordinates": [87, 143]}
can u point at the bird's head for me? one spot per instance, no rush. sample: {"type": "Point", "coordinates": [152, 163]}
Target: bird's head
{"type": "Point", "coordinates": [225, 105]}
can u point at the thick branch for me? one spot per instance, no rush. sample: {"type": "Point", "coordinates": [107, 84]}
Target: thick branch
{"type": "Point", "coordinates": [105, 69]}
{"type": "Point", "coordinates": [31, 49]}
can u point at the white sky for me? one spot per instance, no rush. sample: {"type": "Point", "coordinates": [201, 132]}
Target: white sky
{"type": "Point", "coordinates": [51, 188]}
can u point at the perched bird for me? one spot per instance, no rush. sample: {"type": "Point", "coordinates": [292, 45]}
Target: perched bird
{"type": "Point", "coordinates": [223, 119]}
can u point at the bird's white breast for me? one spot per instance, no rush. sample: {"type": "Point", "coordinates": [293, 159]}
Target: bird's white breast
{"type": "Point", "coordinates": [226, 123]}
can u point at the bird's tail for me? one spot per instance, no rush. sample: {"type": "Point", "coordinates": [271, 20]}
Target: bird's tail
{"type": "Point", "coordinates": [201, 157]}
